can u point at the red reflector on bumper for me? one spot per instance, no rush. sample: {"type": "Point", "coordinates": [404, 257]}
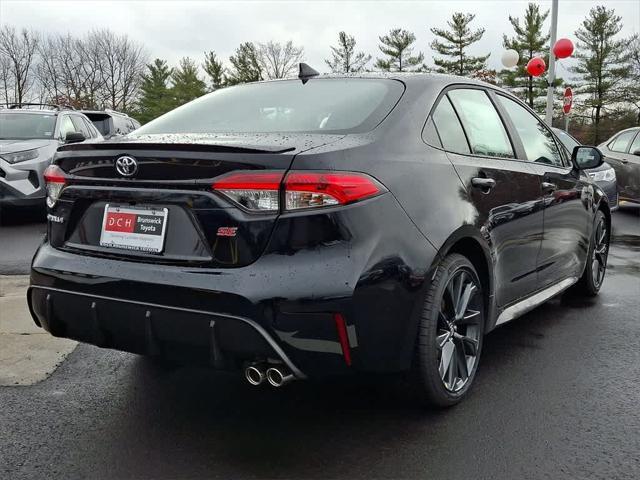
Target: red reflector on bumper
{"type": "Point", "coordinates": [343, 338]}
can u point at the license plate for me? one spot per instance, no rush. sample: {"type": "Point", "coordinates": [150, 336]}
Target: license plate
{"type": "Point", "coordinates": [137, 229]}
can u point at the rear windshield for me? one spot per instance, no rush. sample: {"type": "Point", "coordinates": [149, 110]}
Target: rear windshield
{"type": "Point", "coordinates": [100, 121]}
{"type": "Point", "coordinates": [25, 126]}
{"type": "Point", "coordinates": [337, 105]}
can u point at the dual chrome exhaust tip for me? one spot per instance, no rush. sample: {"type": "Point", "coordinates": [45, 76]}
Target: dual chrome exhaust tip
{"type": "Point", "coordinates": [276, 376]}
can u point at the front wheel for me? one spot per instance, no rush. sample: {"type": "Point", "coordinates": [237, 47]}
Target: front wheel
{"type": "Point", "coordinates": [450, 333]}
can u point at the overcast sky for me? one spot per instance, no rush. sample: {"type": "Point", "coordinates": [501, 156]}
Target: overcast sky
{"type": "Point", "coordinates": [173, 29]}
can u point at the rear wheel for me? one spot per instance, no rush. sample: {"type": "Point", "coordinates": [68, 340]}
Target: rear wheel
{"type": "Point", "coordinates": [596, 267]}
{"type": "Point", "coordinates": [450, 333]}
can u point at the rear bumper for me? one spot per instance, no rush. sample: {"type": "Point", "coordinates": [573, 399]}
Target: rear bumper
{"type": "Point", "coordinates": [152, 329]}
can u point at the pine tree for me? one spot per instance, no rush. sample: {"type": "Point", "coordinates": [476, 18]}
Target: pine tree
{"type": "Point", "coordinates": [187, 85]}
{"type": "Point", "coordinates": [633, 86]}
{"type": "Point", "coordinates": [214, 70]}
{"type": "Point", "coordinates": [156, 97]}
{"type": "Point", "coordinates": [397, 46]}
{"type": "Point", "coordinates": [454, 45]}
{"type": "Point", "coordinates": [529, 41]}
{"type": "Point", "coordinates": [344, 57]}
{"type": "Point", "coordinates": [245, 65]}
{"type": "Point", "coordinates": [603, 63]}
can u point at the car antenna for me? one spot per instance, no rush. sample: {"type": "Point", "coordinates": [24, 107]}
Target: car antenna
{"type": "Point", "coordinates": [306, 73]}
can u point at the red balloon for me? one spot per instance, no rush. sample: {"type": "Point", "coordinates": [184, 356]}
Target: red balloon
{"type": "Point", "coordinates": [536, 67]}
{"type": "Point", "coordinates": [563, 48]}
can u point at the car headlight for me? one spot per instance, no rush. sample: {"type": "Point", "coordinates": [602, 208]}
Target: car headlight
{"type": "Point", "coordinates": [608, 175]}
{"type": "Point", "coordinates": [23, 156]}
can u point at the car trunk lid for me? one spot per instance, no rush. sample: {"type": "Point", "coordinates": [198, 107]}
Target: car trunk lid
{"type": "Point", "coordinates": [170, 189]}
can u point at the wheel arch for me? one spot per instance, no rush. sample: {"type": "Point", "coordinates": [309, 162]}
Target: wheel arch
{"type": "Point", "coordinates": [470, 243]}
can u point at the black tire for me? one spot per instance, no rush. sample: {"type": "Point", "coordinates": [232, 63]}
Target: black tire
{"type": "Point", "coordinates": [432, 386]}
{"type": "Point", "coordinates": [596, 265]}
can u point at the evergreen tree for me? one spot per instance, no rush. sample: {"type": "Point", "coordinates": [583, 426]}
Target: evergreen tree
{"type": "Point", "coordinates": [603, 63]}
{"type": "Point", "coordinates": [156, 98]}
{"type": "Point", "coordinates": [634, 80]}
{"type": "Point", "coordinates": [214, 70]}
{"type": "Point", "coordinates": [454, 45]}
{"type": "Point", "coordinates": [344, 57]}
{"type": "Point", "coordinates": [187, 85]}
{"type": "Point", "coordinates": [397, 46]}
{"type": "Point", "coordinates": [245, 65]}
{"type": "Point", "coordinates": [529, 41]}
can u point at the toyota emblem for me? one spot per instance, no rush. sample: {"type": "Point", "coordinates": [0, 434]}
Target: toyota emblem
{"type": "Point", "coordinates": [126, 166]}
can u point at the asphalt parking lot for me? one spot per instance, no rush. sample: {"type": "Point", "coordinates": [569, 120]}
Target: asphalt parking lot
{"type": "Point", "coordinates": [556, 397]}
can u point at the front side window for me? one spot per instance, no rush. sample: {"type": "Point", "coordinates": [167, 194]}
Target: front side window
{"type": "Point", "coordinates": [621, 142]}
{"type": "Point", "coordinates": [484, 128]}
{"type": "Point", "coordinates": [340, 105]}
{"type": "Point", "coordinates": [66, 126]}
{"type": "Point", "coordinates": [25, 126]}
{"type": "Point", "coordinates": [448, 127]}
{"type": "Point", "coordinates": [80, 126]}
{"type": "Point", "coordinates": [538, 142]}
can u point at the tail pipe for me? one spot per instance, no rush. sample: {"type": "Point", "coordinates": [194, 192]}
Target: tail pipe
{"type": "Point", "coordinates": [279, 376]}
{"type": "Point", "coordinates": [255, 374]}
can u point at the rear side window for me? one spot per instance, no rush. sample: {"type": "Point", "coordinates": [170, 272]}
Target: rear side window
{"type": "Point", "coordinates": [539, 144]}
{"type": "Point", "coordinates": [449, 128]}
{"type": "Point", "coordinates": [621, 142]}
{"type": "Point", "coordinates": [482, 123]}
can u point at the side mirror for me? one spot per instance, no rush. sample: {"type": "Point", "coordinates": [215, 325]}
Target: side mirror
{"type": "Point", "coordinates": [74, 137]}
{"type": "Point", "coordinates": [584, 158]}
{"type": "Point", "coordinates": [637, 153]}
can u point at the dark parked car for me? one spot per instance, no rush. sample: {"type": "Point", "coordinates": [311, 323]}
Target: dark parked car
{"type": "Point", "coordinates": [623, 153]}
{"type": "Point", "coordinates": [290, 229]}
{"type": "Point", "coordinates": [604, 175]}
{"type": "Point", "coordinates": [29, 137]}
{"type": "Point", "coordinates": [111, 123]}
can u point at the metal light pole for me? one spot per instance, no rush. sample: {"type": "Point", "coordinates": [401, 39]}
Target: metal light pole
{"type": "Point", "coordinates": [551, 76]}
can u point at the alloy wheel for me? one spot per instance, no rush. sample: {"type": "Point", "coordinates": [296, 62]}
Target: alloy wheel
{"type": "Point", "coordinates": [600, 253]}
{"type": "Point", "coordinates": [458, 332]}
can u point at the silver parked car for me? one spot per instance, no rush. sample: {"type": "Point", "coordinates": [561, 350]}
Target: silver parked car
{"type": "Point", "coordinates": [30, 134]}
{"type": "Point", "coordinates": [604, 175]}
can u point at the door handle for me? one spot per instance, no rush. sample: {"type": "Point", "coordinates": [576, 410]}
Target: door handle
{"type": "Point", "coordinates": [622, 160]}
{"type": "Point", "coordinates": [485, 184]}
{"type": "Point", "coordinates": [549, 187]}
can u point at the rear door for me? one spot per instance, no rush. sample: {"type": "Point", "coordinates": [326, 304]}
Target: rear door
{"type": "Point", "coordinates": [505, 192]}
{"type": "Point", "coordinates": [568, 197]}
{"type": "Point", "coordinates": [619, 152]}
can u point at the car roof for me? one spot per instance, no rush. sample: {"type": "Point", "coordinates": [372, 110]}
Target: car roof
{"type": "Point", "coordinates": [27, 111]}
{"type": "Point", "coordinates": [413, 78]}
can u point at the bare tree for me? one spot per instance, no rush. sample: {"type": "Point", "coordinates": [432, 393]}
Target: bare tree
{"type": "Point", "coordinates": [277, 60]}
{"type": "Point", "coordinates": [20, 49]}
{"type": "Point", "coordinates": [6, 79]}
{"type": "Point", "coordinates": [121, 64]}
{"type": "Point", "coordinates": [99, 70]}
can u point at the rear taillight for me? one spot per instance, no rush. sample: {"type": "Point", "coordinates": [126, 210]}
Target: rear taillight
{"type": "Point", "coordinates": [260, 191]}
{"type": "Point", "coordinates": [325, 189]}
{"type": "Point", "coordinates": [55, 180]}
{"type": "Point", "coordinates": [255, 191]}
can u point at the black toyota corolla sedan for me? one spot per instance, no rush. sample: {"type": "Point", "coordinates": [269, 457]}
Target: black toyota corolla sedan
{"type": "Point", "coordinates": [321, 225]}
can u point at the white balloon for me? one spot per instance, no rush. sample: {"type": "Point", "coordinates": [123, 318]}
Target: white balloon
{"type": "Point", "coordinates": [510, 58]}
